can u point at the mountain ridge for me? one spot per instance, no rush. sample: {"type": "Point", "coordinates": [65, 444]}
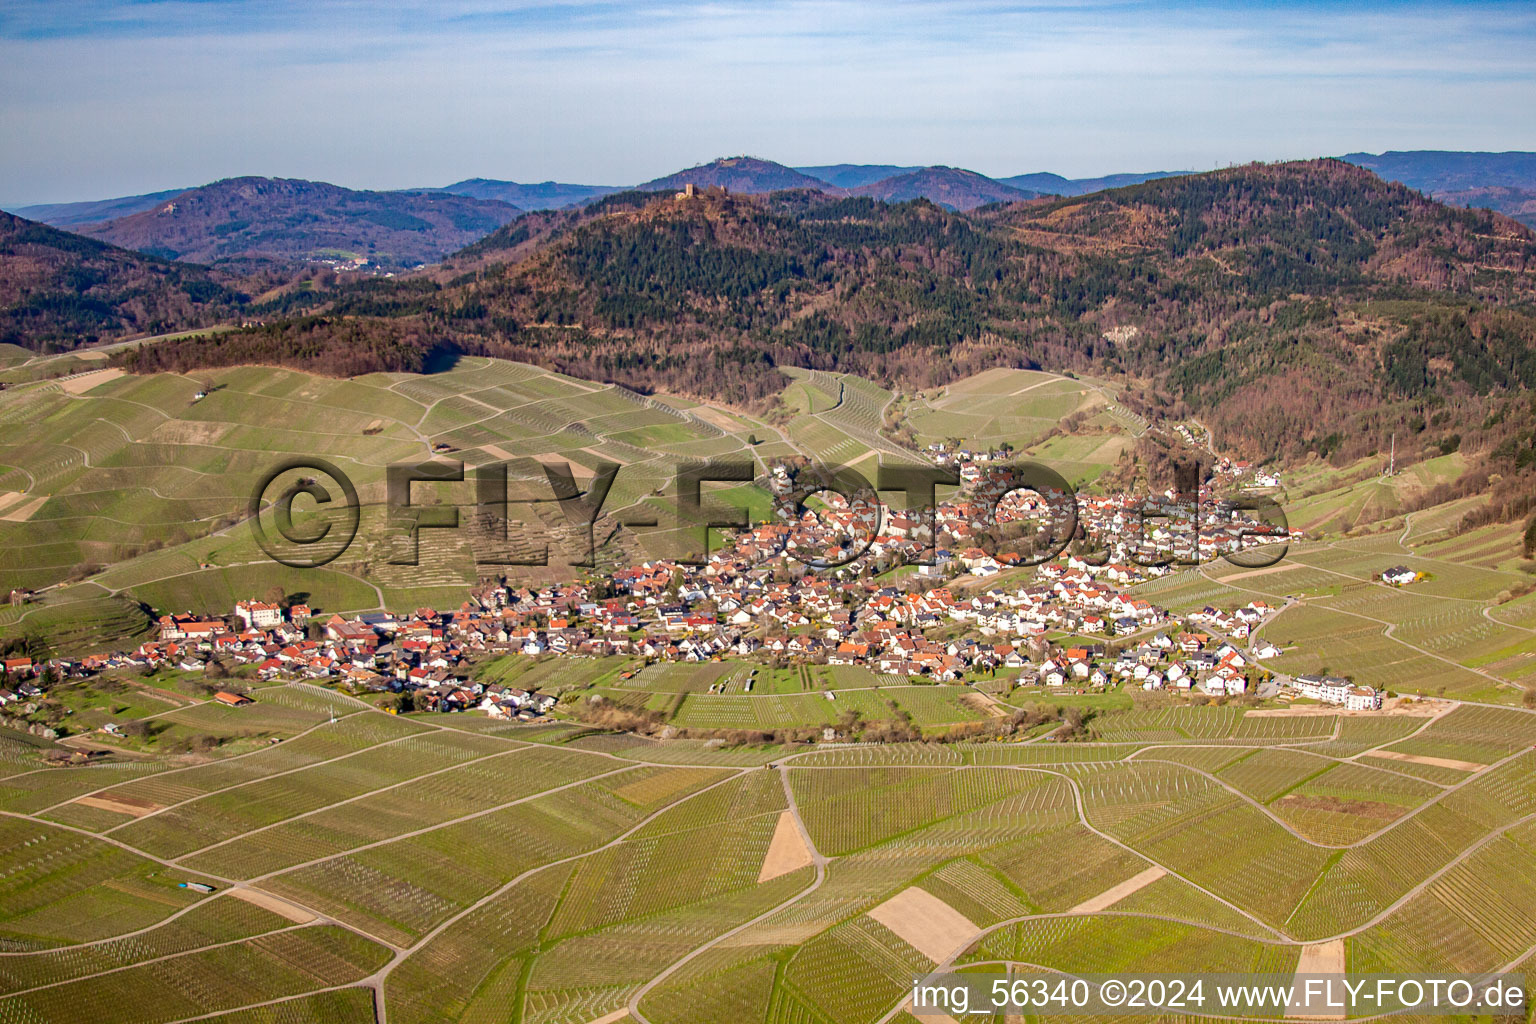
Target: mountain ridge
{"type": "Point", "coordinates": [1055, 183]}
{"type": "Point", "coordinates": [854, 175]}
{"type": "Point", "coordinates": [69, 215]}
{"type": "Point", "coordinates": [1458, 177]}
{"type": "Point", "coordinates": [1505, 182]}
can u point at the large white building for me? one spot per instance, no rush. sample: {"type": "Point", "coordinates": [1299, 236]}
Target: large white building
{"type": "Point", "coordinates": [258, 614]}
{"type": "Point", "coordinates": [1334, 690]}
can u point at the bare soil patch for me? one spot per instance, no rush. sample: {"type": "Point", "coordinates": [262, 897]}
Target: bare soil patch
{"type": "Point", "coordinates": [188, 432]}
{"type": "Point", "coordinates": [787, 852]}
{"type": "Point", "coordinates": [86, 381]}
{"type": "Point", "coordinates": [610, 1018]}
{"type": "Point", "coordinates": [715, 417]}
{"type": "Point", "coordinates": [121, 804]}
{"type": "Point", "coordinates": [1109, 897]}
{"type": "Point", "coordinates": [92, 742]}
{"type": "Point", "coordinates": [926, 923]}
{"type": "Point", "coordinates": [175, 699]}
{"type": "Point", "coordinates": [602, 455]}
{"type": "Point", "coordinates": [1337, 805]}
{"type": "Point", "coordinates": [1396, 706]}
{"type": "Point", "coordinates": [1041, 384]}
{"type": "Point", "coordinates": [1438, 762]}
{"type": "Point", "coordinates": [1320, 958]}
{"type": "Point", "coordinates": [280, 907]}
{"type": "Point", "coordinates": [25, 512]}
{"type": "Point", "coordinates": [983, 703]}
{"type": "Point", "coordinates": [578, 471]}
{"type": "Point", "coordinates": [1282, 567]}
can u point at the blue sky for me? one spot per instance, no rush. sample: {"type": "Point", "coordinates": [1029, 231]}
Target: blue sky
{"type": "Point", "coordinates": [110, 97]}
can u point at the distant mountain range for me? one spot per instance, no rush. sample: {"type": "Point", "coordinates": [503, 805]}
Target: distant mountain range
{"type": "Point", "coordinates": [739, 174]}
{"type": "Point", "coordinates": [546, 195]}
{"type": "Point", "coordinates": [1431, 170]}
{"type": "Point", "coordinates": [1248, 290]}
{"type": "Point", "coordinates": [1055, 184]}
{"type": "Point", "coordinates": [1250, 279]}
{"type": "Point", "coordinates": [240, 220]}
{"type": "Point", "coordinates": [1505, 182]}
{"type": "Point", "coordinates": [855, 175]}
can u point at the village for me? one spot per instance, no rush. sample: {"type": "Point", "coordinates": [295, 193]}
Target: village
{"type": "Point", "coordinates": [942, 614]}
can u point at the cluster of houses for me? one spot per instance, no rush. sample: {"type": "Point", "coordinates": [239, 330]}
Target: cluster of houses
{"type": "Point", "coordinates": [1237, 470]}
{"type": "Point", "coordinates": [1186, 662]}
{"type": "Point", "coordinates": [1239, 623]}
{"type": "Point", "coordinates": [426, 653]}
{"type": "Point", "coordinates": [1224, 467]}
{"type": "Point", "coordinates": [739, 604]}
{"type": "Point", "coordinates": [20, 681]}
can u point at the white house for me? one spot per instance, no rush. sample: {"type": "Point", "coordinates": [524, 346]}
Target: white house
{"type": "Point", "coordinates": [258, 614]}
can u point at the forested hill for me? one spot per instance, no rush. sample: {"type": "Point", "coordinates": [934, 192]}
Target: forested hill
{"type": "Point", "coordinates": [1283, 302]}
{"type": "Point", "coordinates": [59, 290]}
{"type": "Point", "coordinates": [951, 187]}
{"type": "Point", "coordinates": [739, 174]}
{"type": "Point", "coordinates": [285, 219]}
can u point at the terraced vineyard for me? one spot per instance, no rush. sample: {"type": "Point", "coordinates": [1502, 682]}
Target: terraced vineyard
{"type": "Point", "coordinates": [1462, 629]}
{"type": "Point", "coordinates": [448, 873]}
{"type": "Point", "coordinates": [139, 475]}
